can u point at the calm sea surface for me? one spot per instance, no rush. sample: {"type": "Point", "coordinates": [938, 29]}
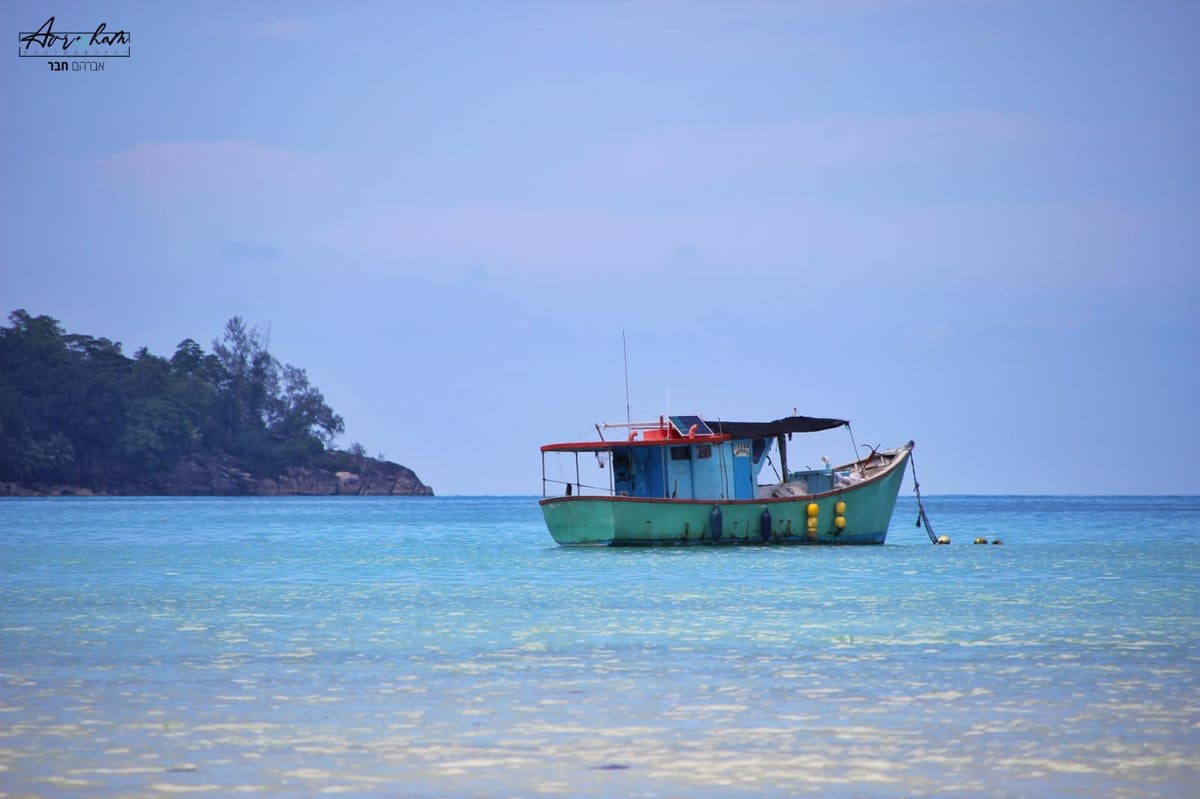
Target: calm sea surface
{"type": "Point", "coordinates": [445, 647]}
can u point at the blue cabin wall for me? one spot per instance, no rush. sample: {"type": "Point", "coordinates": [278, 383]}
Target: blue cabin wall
{"type": "Point", "coordinates": [714, 470]}
{"type": "Point", "coordinates": [708, 480]}
{"type": "Point", "coordinates": [622, 470]}
{"type": "Point", "coordinates": [743, 470]}
{"type": "Point", "coordinates": [639, 472]}
{"type": "Point", "coordinates": [648, 465]}
{"type": "Point", "coordinates": [679, 472]}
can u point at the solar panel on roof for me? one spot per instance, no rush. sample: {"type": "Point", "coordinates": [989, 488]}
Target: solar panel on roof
{"type": "Point", "coordinates": [683, 424]}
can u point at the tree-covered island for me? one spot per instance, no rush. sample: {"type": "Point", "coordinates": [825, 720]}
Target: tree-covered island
{"type": "Point", "coordinates": [79, 416]}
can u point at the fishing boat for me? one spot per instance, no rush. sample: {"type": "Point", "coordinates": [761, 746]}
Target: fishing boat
{"type": "Point", "coordinates": [687, 480]}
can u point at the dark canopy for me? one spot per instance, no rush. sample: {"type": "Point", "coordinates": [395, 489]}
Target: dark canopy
{"type": "Point", "coordinates": [788, 424]}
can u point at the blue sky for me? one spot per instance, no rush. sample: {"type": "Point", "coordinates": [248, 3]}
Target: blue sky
{"type": "Point", "coordinates": [972, 224]}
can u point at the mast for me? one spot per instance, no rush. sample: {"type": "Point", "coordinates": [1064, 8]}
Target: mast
{"type": "Point", "coordinates": [781, 440]}
{"type": "Point", "coordinates": [625, 352]}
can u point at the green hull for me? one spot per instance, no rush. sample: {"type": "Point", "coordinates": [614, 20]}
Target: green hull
{"type": "Point", "coordinates": [629, 521]}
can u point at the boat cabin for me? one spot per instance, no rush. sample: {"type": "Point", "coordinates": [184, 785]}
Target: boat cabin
{"type": "Point", "coordinates": [685, 457]}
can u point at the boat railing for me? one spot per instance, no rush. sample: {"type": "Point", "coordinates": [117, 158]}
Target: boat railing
{"type": "Point", "coordinates": [575, 480]}
{"type": "Point", "coordinates": [553, 487]}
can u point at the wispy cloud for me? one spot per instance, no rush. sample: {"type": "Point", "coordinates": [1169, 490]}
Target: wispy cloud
{"type": "Point", "coordinates": [690, 156]}
{"type": "Point", "coordinates": [211, 178]}
{"type": "Point", "coordinates": [208, 163]}
{"type": "Point", "coordinates": [795, 243]}
{"type": "Point", "coordinates": [572, 232]}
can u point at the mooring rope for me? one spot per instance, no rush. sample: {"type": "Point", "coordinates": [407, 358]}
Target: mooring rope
{"type": "Point", "coordinates": [922, 516]}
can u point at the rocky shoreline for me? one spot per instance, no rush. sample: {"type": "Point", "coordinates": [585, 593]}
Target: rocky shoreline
{"type": "Point", "coordinates": [203, 475]}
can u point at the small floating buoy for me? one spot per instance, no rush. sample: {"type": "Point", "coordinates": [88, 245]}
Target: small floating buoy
{"type": "Point", "coordinates": [980, 540]}
{"type": "Point", "coordinates": [997, 542]}
{"type": "Point", "coordinates": [943, 539]}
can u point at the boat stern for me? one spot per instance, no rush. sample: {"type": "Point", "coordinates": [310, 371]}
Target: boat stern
{"type": "Point", "coordinates": [576, 522]}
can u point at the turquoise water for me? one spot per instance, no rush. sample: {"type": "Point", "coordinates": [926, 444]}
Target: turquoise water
{"type": "Point", "coordinates": [445, 647]}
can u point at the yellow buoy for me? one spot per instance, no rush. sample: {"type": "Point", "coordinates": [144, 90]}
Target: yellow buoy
{"type": "Point", "coordinates": [943, 539]}
{"type": "Point", "coordinates": [840, 508]}
{"type": "Point", "coordinates": [840, 522]}
{"type": "Point", "coordinates": [813, 509]}
{"type": "Point", "coordinates": [981, 540]}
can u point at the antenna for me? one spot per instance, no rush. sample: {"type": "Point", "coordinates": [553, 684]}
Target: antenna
{"type": "Point", "coordinates": [625, 351]}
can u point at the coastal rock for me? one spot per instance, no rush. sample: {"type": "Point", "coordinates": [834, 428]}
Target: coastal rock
{"type": "Point", "coordinates": [384, 478]}
{"type": "Point", "coordinates": [370, 477]}
{"type": "Point", "coordinates": [203, 475]}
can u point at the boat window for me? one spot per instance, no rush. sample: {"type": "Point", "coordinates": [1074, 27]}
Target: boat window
{"type": "Point", "coordinates": [622, 468]}
{"type": "Point", "coordinates": [704, 451]}
{"type": "Point", "coordinates": [681, 453]}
